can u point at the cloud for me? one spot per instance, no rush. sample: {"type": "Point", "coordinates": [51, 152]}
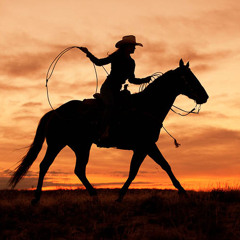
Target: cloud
{"type": "Point", "coordinates": [125, 173]}
{"type": "Point", "coordinates": [120, 184]}
{"type": "Point", "coordinates": [221, 22]}
{"type": "Point", "coordinates": [26, 118]}
{"type": "Point", "coordinates": [9, 87]}
{"type": "Point", "coordinates": [11, 132]}
{"type": "Point", "coordinates": [200, 60]}
{"type": "Point", "coordinates": [217, 136]}
{"type": "Point", "coordinates": [208, 24]}
{"type": "Point", "coordinates": [29, 65]}
{"type": "Point", "coordinates": [203, 115]}
{"type": "Point", "coordinates": [206, 151]}
{"type": "Point", "coordinates": [205, 38]}
{"type": "Point", "coordinates": [57, 173]}
{"type": "Point", "coordinates": [32, 104]}
{"type": "Point", "coordinates": [33, 61]}
{"type": "Point", "coordinates": [58, 179]}
{"type": "Point", "coordinates": [206, 137]}
{"type": "Point", "coordinates": [23, 65]}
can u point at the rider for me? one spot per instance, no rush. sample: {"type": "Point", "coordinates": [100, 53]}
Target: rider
{"type": "Point", "coordinates": [122, 69]}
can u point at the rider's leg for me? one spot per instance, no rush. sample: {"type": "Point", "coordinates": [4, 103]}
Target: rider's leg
{"type": "Point", "coordinates": [109, 98]}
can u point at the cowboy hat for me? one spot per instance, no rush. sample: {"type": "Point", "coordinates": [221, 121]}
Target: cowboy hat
{"type": "Point", "coordinates": [130, 39]}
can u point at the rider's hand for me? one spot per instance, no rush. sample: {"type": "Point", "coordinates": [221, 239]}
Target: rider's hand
{"type": "Point", "coordinates": [148, 79]}
{"type": "Point", "coordinates": [84, 49]}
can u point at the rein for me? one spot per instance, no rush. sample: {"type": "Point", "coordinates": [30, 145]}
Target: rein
{"type": "Point", "coordinates": [198, 108]}
{"type": "Point", "coordinates": [183, 115]}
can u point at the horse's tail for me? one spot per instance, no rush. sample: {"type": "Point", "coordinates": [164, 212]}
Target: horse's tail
{"type": "Point", "coordinates": [32, 153]}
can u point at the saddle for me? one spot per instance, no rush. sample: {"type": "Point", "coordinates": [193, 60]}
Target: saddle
{"type": "Point", "coordinates": [124, 125]}
{"type": "Point", "coordinates": [124, 97]}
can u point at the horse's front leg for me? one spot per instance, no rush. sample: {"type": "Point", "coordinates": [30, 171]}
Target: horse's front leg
{"type": "Point", "coordinates": [137, 159]}
{"type": "Point", "coordinates": [156, 155]}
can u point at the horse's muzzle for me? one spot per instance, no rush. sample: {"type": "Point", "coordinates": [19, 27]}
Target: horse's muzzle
{"type": "Point", "coordinates": [202, 99]}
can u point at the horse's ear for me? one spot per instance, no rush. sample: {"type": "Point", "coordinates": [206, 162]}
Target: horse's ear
{"type": "Point", "coordinates": [181, 63]}
{"type": "Point", "coordinates": [187, 65]}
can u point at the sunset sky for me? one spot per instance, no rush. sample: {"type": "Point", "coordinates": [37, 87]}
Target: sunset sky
{"type": "Point", "coordinates": [206, 33]}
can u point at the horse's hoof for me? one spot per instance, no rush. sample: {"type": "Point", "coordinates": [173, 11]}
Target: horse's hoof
{"type": "Point", "coordinates": [95, 199]}
{"type": "Point", "coordinates": [34, 202]}
{"type": "Point", "coordinates": [183, 194]}
{"type": "Point", "coordinates": [119, 200]}
{"type": "Point", "coordinates": [93, 193]}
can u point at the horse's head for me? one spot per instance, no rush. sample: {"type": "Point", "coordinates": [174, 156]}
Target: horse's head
{"type": "Point", "coordinates": [189, 84]}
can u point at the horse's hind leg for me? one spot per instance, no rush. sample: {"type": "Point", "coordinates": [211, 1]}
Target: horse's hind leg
{"type": "Point", "coordinates": [82, 155]}
{"type": "Point", "coordinates": [156, 155]}
{"type": "Point", "coordinates": [51, 153]}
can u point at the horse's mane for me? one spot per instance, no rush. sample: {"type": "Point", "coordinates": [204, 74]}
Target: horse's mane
{"type": "Point", "coordinates": [154, 85]}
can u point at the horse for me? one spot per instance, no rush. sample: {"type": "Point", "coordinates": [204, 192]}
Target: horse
{"type": "Point", "coordinates": [76, 124]}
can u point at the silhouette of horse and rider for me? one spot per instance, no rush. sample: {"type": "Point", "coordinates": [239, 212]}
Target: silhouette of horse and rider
{"type": "Point", "coordinates": [114, 118]}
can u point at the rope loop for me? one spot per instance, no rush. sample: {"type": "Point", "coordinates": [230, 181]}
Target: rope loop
{"type": "Point", "coordinates": [153, 77]}
{"type": "Point", "coordinates": [51, 70]}
{"type": "Point", "coordinates": [53, 65]}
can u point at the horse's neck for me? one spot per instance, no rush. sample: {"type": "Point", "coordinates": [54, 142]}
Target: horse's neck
{"type": "Point", "coordinates": [159, 96]}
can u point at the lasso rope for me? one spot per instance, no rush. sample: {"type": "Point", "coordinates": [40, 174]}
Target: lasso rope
{"type": "Point", "coordinates": [153, 77]}
{"type": "Point", "coordinates": [186, 113]}
{"type": "Point", "coordinates": [175, 140]}
{"type": "Point", "coordinates": [53, 65]}
{"type": "Point", "coordinates": [51, 69]}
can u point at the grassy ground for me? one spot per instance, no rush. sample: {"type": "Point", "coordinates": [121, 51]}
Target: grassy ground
{"type": "Point", "coordinates": [143, 214]}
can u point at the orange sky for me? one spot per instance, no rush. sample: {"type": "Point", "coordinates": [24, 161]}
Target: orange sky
{"type": "Point", "coordinates": [206, 33]}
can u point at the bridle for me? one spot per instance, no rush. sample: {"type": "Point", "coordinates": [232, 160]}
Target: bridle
{"type": "Point", "coordinates": [197, 108]}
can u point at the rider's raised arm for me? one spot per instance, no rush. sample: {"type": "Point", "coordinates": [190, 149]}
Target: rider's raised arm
{"type": "Point", "coordinates": [99, 61]}
{"type": "Point", "coordinates": [95, 60]}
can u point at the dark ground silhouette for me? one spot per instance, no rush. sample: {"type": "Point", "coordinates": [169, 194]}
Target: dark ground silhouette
{"type": "Point", "coordinates": [143, 215]}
